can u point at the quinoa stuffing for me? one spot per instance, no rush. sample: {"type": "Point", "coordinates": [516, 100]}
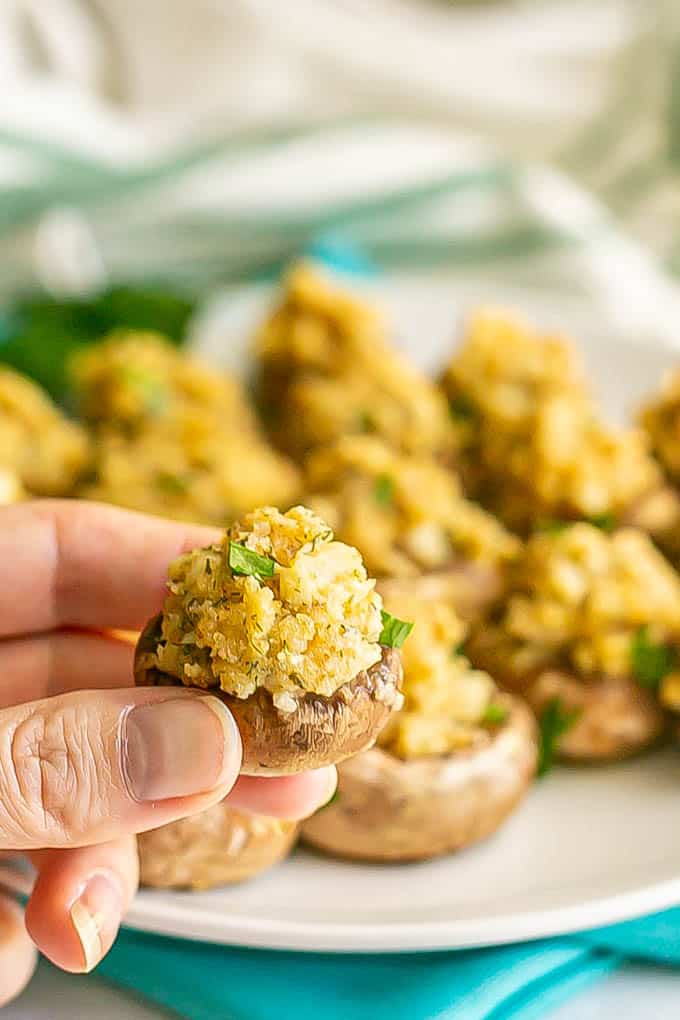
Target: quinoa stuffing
{"type": "Point", "coordinates": [327, 369]}
{"type": "Point", "coordinates": [536, 446]}
{"type": "Point", "coordinates": [131, 379]}
{"type": "Point", "coordinates": [660, 418]}
{"type": "Point", "coordinates": [406, 514]}
{"type": "Point", "coordinates": [584, 600]}
{"type": "Point", "coordinates": [11, 489]}
{"type": "Point", "coordinates": [173, 436]}
{"type": "Point", "coordinates": [279, 604]}
{"type": "Point", "coordinates": [39, 446]}
{"type": "Point", "coordinates": [448, 705]}
{"type": "Point", "coordinates": [190, 468]}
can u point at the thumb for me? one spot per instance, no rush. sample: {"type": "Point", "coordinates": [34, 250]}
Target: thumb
{"type": "Point", "coordinates": [91, 766]}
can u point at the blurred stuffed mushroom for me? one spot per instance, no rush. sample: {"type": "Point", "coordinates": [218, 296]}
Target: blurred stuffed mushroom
{"type": "Point", "coordinates": [42, 452]}
{"type": "Point", "coordinates": [589, 636]}
{"type": "Point", "coordinates": [536, 446]}
{"type": "Point", "coordinates": [284, 624]}
{"type": "Point", "coordinates": [446, 771]}
{"type": "Point", "coordinates": [327, 368]}
{"type": "Point", "coordinates": [221, 846]}
{"type": "Point", "coordinates": [408, 516]}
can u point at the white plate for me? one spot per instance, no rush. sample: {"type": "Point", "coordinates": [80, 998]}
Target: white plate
{"type": "Point", "coordinates": [588, 847]}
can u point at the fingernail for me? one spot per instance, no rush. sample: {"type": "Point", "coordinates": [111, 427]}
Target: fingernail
{"type": "Point", "coordinates": [96, 915]}
{"type": "Point", "coordinates": [179, 747]}
{"type": "Point", "coordinates": [332, 784]}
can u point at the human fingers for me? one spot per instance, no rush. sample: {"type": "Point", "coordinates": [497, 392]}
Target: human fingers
{"type": "Point", "coordinates": [287, 797]}
{"type": "Point", "coordinates": [68, 563]}
{"type": "Point", "coordinates": [17, 952]}
{"type": "Point", "coordinates": [79, 900]}
{"type": "Point", "coordinates": [60, 661]}
{"type": "Point", "coordinates": [91, 766]}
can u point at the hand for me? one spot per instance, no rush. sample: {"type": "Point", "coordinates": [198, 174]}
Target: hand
{"type": "Point", "coordinates": [87, 759]}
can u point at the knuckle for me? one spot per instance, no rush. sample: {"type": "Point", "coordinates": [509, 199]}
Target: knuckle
{"type": "Point", "coordinates": [53, 775]}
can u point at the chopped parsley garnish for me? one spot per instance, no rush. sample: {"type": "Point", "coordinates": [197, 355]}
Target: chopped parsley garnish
{"type": "Point", "coordinates": [554, 722]}
{"type": "Point", "coordinates": [495, 714]}
{"type": "Point", "coordinates": [246, 562]}
{"type": "Point", "coordinates": [170, 483]}
{"type": "Point", "coordinates": [551, 526]}
{"type": "Point", "coordinates": [383, 490]}
{"type": "Point", "coordinates": [605, 522]}
{"type": "Point", "coordinates": [458, 650]}
{"type": "Point", "coordinates": [365, 421]}
{"type": "Point", "coordinates": [152, 390]}
{"type": "Point", "coordinates": [650, 662]}
{"type": "Point", "coordinates": [394, 631]}
{"type": "Point", "coordinates": [462, 409]}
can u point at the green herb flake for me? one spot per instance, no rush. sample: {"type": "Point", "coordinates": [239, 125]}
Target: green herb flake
{"type": "Point", "coordinates": [650, 662]}
{"type": "Point", "coordinates": [383, 490]}
{"type": "Point", "coordinates": [551, 526]}
{"type": "Point", "coordinates": [495, 714]}
{"type": "Point", "coordinates": [458, 650]}
{"type": "Point", "coordinates": [461, 408]}
{"type": "Point", "coordinates": [394, 631]}
{"type": "Point", "coordinates": [244, 561]}
{"type": "Point", "coordinates": [172, 484]}
{"type": "Point", "coordinates": [365, 422]}
{"type": "Point", "coordinates": [152, 390]}
{"type": "Point", "coordinates": [605, 522]}
{"type": "Point", "coordinates": [555, 721]}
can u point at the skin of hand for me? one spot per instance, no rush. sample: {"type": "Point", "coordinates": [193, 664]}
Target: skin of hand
{"type": "Point", "coordinates": [86, 758]}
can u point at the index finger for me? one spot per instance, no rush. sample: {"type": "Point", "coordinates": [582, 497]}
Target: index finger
{"type": "Point", "coordinates": [65, 563]}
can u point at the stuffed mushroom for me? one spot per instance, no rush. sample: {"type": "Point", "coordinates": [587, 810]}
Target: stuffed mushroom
{"type": "Point", "coordinates": [589, 631]}
{"type": "Point", "coordinates": [408, 517]}
{"type": "Point", "coordinates": [284, 624]}
{"type": "Point", "coordinates": [41, 451]}
{"type": "Point", "coordinates": [536, 447]}
{"type": "Point", "coordinates": [448, 768]}
{"type": "Point", "coordinates": [326, 369]}
{"type": "Point", "coordinates": [220, 846]}
{"type": "Point", "coordinates": [174, 437]}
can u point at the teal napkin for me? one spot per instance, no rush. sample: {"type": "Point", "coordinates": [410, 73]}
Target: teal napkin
{"type": "Point", "coordinates": [518, 982]}
{"type": "Point", "coordinates": [207, 982]}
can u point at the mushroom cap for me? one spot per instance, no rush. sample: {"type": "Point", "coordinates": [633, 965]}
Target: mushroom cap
{"type": "Point", "coordinates": [320, 731]}
{"type": "Point", "coordinates": [219, 846]}
{"type": "Point", "coordinates": [388, 809]}
{"type": "Point", "coordinates": [616, 717]}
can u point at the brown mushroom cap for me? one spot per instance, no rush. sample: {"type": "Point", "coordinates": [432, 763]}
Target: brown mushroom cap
{"type": "Point", "coordinates": [470, 588]}
{"type": "Point", "coordinates": [219, 846]}
{"type": "Point", "coordinates": [321, 731]}
{"type": "Point", "coordinates": [388, 809]}
{"type": "Point", "coordinates": [616, 717]}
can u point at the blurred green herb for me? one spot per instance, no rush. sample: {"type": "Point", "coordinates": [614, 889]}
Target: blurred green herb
{"type": "Point", "coordinates": [383, 490]}
{"type": "Point", "coordinates": [172, 484]}
{"type": "Point", "coordinates": [555, 721]}
{"type": "Point", "coordinates": [495, 714]}
{"type": "Point", "coordinates": [551, 526]}
{"type": "Point", "coordinates": [39, 335]}
{"type": "Point", "coordinates": [461, 408]}
{"type": "Point", "coordinates": [605, 522]}
{"type": "Point", "coordinates": [650, 662]}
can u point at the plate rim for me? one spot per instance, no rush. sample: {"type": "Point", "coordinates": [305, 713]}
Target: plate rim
{"type": "Point", "coordinates": [403, 937]}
